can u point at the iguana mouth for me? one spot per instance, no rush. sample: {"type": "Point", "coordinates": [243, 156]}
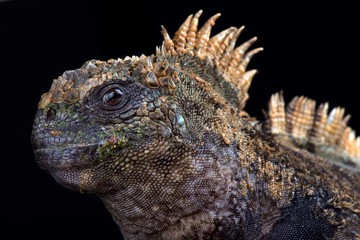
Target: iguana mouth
{"type": "Point", "coordinates": [72, 155]}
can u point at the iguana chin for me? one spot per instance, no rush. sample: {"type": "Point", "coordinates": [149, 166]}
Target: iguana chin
{"type": "Point", "coordinates": [165, 142]}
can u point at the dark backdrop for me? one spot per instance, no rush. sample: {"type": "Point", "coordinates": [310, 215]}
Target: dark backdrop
{"type": "Point", "coordinates": [310, 50]}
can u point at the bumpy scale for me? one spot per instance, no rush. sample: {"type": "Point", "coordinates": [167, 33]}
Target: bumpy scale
{"type": "Point", "coordinates": [165, 142]}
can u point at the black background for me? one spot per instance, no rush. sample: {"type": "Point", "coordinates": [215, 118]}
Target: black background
{"type": "Point", "coordinates": [310, 50]}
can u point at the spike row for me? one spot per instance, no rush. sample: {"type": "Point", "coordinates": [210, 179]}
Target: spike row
{"type": "Point", "coordinates": [301, 121]}
{"type": "Point", "coordinates": [230, 62]}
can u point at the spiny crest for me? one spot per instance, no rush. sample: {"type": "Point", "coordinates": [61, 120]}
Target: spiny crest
{"type": "Point", "coordinates": [302, 125]}
{"type": "Point", "coordinates": [230, 62]}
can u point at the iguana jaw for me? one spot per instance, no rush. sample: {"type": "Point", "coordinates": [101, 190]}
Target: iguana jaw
{"type": "Point", "coordinates": [73, 155]}
{"type": "Point", "coordinates": [65, 163]}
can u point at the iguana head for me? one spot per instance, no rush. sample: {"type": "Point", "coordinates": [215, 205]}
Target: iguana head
{"type": "Point", "coordinates": [107, 123]}
{"type": "Point", "coordinates": [112, 116]}
{"type": "Point", "coordinates": [135, 128]}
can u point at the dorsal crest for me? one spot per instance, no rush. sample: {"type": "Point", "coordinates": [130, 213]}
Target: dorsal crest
{"type": "Point", "coordinates": [219, 51]}
{"type": "Point", "coordinates": [303, 125]}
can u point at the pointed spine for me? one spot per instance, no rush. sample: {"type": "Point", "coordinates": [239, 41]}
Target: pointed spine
{"type": "Point", "coordinates": [203, 35]}
{"type": "Point", "coordinates": [181, 35]}
{"type": "Point", "coordinates": [246, 59]}
{"type": "Point", "coordinates": [216, 41]}
{"type": "Point", "coordinates": [238, 53]}
{"type": "Point", "coordinates": [191, 35]}
{"type": "Point", "coordinates": [227, 49]}
{"type": "Point", "coordinates": [244, 85]}
{"type": "Point", "coordinates": [300, 117]}
{"type": "Point", "coordinates": [168, 44]}
{"type": "Point", "coordinates": [276, 121]}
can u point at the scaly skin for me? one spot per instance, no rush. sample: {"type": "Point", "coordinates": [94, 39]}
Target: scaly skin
{"type": "Point", "coordinates": [165, 149]}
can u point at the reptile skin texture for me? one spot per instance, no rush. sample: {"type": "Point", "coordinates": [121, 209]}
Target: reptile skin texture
{"type": "Point", "coordinates": [166, 143]}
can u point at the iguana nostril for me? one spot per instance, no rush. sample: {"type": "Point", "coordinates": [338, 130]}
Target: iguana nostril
{"type": "Point", "coordinates": [50, 114]}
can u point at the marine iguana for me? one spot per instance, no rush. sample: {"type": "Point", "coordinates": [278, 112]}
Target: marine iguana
{"type": "Point", "coordinates": [164, 140]}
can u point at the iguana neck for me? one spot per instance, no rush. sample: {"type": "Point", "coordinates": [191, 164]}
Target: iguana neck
{"type": "Point", "coordinates": [211, 198]}
{"type": "Point", "coordinates": [205, 184]}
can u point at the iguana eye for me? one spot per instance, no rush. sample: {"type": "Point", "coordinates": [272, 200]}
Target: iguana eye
{"type": "Point", "coordinates": [115, 100]}
{"type": "Point", "coordinates": [109, 100]}
{"type": "Point", "coordinates": [112, 97]}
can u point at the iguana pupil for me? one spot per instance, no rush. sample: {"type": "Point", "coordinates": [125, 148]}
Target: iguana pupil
{"type": "Point", "coordinates": [112, 97]}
